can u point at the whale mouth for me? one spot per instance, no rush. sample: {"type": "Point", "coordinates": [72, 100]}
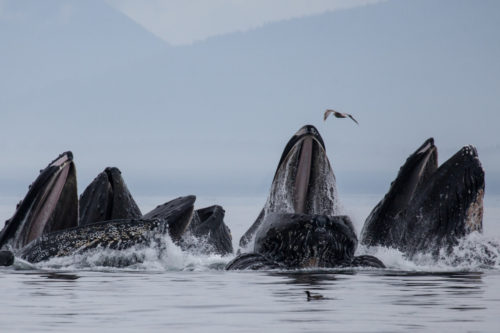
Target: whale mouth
{"type": "Point", "coordinates": [303, 174]}
{"type": "Point", "coordinates": [299, 184]}
{"type": "Point", "coordinates": [304, 132]}
{"type": "Point", "coordinates": [51, 204]}
{"type": "Point", "coordinates": [428, 208]}
{"type": "Point", "coordinates": [412, 176]}
{"type": "Point", "coordinates": [303, 183]}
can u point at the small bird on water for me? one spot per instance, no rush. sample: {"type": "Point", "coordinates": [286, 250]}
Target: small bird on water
{"type": "Point", "coordinates": [338, 115]}
{"type": "Point", "coordinates": [313, 296]}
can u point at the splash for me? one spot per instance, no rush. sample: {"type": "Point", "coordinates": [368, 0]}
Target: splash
{"type": "Point", "coordinates": [160, 255]}
{"type": "Point", "coordinates": [280, 198]}
{"type": "Point", "coordinates": [473, 252]}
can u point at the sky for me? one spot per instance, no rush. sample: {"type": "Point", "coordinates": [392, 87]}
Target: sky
{"type": "Point", "coordinates": [181, 22]}
{"type": "Point", "coordinates": [200, 97]}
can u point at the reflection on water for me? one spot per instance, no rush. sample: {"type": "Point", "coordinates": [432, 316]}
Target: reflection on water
{"type": "Point", "coordinates": [59, 276]}
{"type": "Point", "coordinates": [52, 275]}
{"type": "Point", "coordinates": [354, 300]}
{"type": "Point", "coordinates": [305, 278]}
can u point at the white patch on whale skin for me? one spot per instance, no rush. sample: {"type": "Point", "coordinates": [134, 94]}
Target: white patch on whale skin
{"type": "Point", "coordinates": [474, 214]}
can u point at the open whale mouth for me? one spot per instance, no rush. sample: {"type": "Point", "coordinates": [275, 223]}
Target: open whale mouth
{"type": "Point", "coordinates": [307, 131]}
{"type": "Point", "coordinates": [417, 169]}
{"type": "Point", "coordinates": [427, 207]}
{"type": "Point", "coordinates": [299, 228]}
{"type": "Point", "coordinates": [51, 204]}
{"type": "Point", "coordinates": [304, 179]}
{"type": "Point", "coordinates": [303, 183]}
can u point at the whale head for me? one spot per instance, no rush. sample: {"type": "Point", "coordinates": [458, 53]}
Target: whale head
{"type": "Point", "coordinates": [303, 183]}
{"type": "Point", "coordinates": [428, 208]}
{"type": "Point", "coordinates": [51, 204]}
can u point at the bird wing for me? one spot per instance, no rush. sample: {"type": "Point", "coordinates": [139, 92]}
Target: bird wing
{"type": "Point", "coordinates": [340, 114]}
{"type": "Point", "coordinates": [327, 113]}
{"type": "Point", "coordinates": [353, 119]}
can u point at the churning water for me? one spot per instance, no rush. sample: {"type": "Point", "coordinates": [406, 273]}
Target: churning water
{"type": "Point", "coordinates": [182, 292]}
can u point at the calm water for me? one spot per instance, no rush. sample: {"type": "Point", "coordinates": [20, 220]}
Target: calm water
{"type": "Point", "coordinates": [188, 293]}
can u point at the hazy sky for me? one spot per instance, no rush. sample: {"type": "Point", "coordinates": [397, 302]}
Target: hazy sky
{"type": "Point", "coordinates": [181, 22]}
{"type": "Point", "coordinates": [201, 96]}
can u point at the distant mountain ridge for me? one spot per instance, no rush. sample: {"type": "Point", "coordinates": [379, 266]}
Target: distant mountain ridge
{"type": "Point", "coordinates": [43, 42]}
{"type": "Point", "coordinates": [217, 114]}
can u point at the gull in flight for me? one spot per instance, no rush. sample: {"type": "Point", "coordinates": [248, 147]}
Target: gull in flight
{"type": "Point", "coordinates": [338, 115]}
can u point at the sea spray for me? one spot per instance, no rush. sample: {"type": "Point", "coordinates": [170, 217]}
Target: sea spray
{"type": "Point", "coordinates": [473, 252]}
{"type": "Point", "coordinates": [161, 255]}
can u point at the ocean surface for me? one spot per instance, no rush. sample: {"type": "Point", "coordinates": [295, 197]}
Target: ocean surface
{"type": "Point", "coordinates": [182, 292]}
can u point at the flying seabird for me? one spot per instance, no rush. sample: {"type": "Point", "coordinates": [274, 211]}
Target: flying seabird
{"type": "Point", "coordinates": [338, 115]}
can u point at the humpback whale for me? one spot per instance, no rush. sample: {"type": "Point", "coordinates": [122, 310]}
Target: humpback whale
{"type": "Point", "coordinates": [303, 181]}
{"type": "Point", "coordinates": [208, 225]}
{"type": "Point", "coordinates": [107, 198]}
{"type": "Point", "coordinates": [51, 204]}
{"type": "Point", "coordinates": [429, 208]}
{"type": "Point", "coordinates": [46, 222]}
{"type": "Point", "coordinates": [300, 225]}
{"type": "Point", "coordinates": [114, 234]}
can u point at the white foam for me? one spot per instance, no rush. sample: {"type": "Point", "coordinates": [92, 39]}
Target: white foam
{"type": "Point", "coordinates": [473, 252]}
{"type": "Point", "coordinates": [162, 255]}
